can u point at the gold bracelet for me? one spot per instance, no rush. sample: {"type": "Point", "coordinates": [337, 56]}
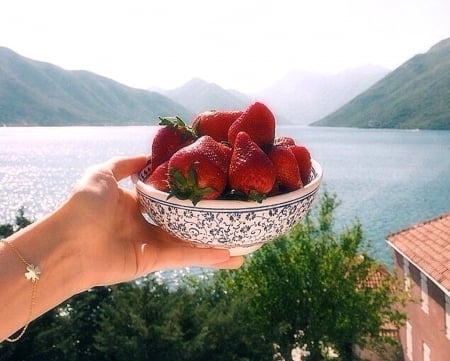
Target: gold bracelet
{"type": "Point", "coordinates": [32, 274]}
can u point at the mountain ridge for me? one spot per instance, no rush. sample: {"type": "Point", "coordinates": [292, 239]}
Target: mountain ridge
{"type": "Point", "coordinates": [413, 96]}
{"type": "Point", "coordinates": [39, 93]}
{"type": "Point", "coordinates": [196, 93]}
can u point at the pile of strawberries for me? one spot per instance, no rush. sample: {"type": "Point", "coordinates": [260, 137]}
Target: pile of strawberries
{"type": "Point", "coordinates": [227, 154]}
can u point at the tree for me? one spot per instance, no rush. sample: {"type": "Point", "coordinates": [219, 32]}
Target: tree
{"type": "Point", "coordinates": [77, 323]}
{"type": "Point", "coordinates": [21, 221]}
{"type": "Point", "coordinates": [308, 290]}
{"type": "Point", "coordinates": [145, 319]}
{"type": "Point", "coordinates": [227, 333]}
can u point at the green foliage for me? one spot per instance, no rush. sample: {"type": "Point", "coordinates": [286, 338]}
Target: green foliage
{"type": "Point", "coordinates": [144, 320]}
{"type": "Point", "coordinates": [21, 221]}
{"type": "Point", "coordinates": [307, 289]}
{"type": "Point", "coordinates": [415, 95]}
{"type": "Point", "coordinates": [6, 230]}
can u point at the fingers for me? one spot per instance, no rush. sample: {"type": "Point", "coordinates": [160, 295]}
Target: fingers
{"type": "Point", "coordinates": [232, 263]}
{"type": "Point", "coordinates": [181, 255]}
{"type": "Point", "coordinates": [216, 258]}
{"type": "Point", "coordinates": [169, 253]}
{"type": "Point", "coordinates": [122, 167]}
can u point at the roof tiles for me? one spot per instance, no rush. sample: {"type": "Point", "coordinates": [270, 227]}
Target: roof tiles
{"type": "Point", "coordinates": [427, 245]}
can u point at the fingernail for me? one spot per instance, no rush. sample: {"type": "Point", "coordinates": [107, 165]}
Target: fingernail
{"type": "Point", "coordinates": [221, 255]}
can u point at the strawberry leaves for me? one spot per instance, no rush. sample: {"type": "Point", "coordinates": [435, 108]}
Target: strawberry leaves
{"type": "Point", "coordinates": [187, 187]}
{"type": "Point", "coordinates": [179, 124]}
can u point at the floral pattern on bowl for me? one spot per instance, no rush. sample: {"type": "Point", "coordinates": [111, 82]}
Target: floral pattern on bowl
{"type": "Point", "coordinates": [237, 225]}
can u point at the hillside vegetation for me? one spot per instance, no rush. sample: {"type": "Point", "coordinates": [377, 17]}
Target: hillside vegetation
{"type": "Point", "coordinates": [38, 93]}
{"type": "Point", "coordinates": [414, 96]}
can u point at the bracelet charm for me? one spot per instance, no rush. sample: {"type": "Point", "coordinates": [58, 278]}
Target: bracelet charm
{"type": "Point", "coordinates": [32, 274]}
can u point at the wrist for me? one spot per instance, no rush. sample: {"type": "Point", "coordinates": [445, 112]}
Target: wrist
{"type": "Point", "coordinates": [51, 244]}
{"type": "Point", "coordinates": [65, 254]}
{"type": "Point", "coordinates": [45, 245]}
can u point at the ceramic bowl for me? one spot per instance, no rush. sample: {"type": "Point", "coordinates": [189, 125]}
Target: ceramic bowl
{"type": "Point", "coordinates": [239, 226]}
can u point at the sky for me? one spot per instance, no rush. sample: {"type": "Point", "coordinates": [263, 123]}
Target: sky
{"type": "Point", "coordinates": [238, 44]}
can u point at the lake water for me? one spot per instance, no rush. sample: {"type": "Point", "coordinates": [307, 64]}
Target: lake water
{"type": "Point", "coordinates": [386, 179]}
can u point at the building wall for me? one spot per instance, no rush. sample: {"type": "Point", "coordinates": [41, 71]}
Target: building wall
{"type": "Point", "coordinates": [427, 329]}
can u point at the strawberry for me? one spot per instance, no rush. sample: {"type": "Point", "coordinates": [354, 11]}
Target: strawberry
{"type": "Point", "coordinates": [251, 171]}
{"type": "Point", "coordinates": [199, 170]}
{"type": "Point", "coordinates": [159, 178]}
{"type": "Point", "coordinates": [215, 123]}
{"type": "Point", "coordinates": [258, 122]}
{"type": "Point", "coordinates": [285, 163]}
{"type": "Point", "coordinates": [174, 135]}
{"type": "Point", "coordinates": [304, 162]}
{"type": "Point", "coordinates": [283, 140]}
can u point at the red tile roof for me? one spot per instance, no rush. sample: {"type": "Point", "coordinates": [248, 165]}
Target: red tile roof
{"type": "Point", "coordinates": [375, 279]}
{"type": "Point", "coordinates": [427, 245]}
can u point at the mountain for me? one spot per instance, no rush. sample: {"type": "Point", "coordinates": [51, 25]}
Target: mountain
{"type": "Point", "coordinates": [198, 96]}
{"type": "Point", "coordinates": [303, 97]}
{"type": "Point", "coordinates": [38, 93]}
{"type": "Point", "coordinates": [413, 96]}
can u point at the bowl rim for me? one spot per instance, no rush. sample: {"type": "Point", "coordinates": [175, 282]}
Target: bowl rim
{"type": "Point", "coordinates": [226, 204]}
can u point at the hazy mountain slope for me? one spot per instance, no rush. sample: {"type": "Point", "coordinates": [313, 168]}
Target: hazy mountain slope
{"type": "Point", "coordinates": [198, 95]}
{"type": "Point", "coordinates": [415, 95]}
{"type": "Point", "coordinates": [38, 93]}
{"type": "Point", "coordinates": [303, 97]}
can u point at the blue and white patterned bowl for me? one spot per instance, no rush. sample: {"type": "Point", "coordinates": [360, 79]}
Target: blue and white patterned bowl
{"type": "Point", "coordinates": [240, 226]}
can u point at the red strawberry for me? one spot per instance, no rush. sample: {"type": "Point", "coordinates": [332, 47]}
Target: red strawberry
{"type": "Point", "coordinates": [251, 171]}
{"type": "Point", "coordinates": [283, 140]}
{"type": "Point", "coordinates": [215, 123]}
{"type": "Point", "coordinates": [288, 175]}
{"type": "Point", "coordinates": [304, 162]}
{"type": "Point", "coordinates": [199, 171]}
{"type": "Point", "coordinates": [258, 122]}
{"type": "Point", "coordinates": [159, 178]}
{"type": "Point", "coordinates": [170, 138]}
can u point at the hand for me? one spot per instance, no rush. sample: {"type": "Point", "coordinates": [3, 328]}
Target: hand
{"type": "Point", "coordinates": [97, 237]}
{"type": "Point", "coordinates": [117, 243]}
